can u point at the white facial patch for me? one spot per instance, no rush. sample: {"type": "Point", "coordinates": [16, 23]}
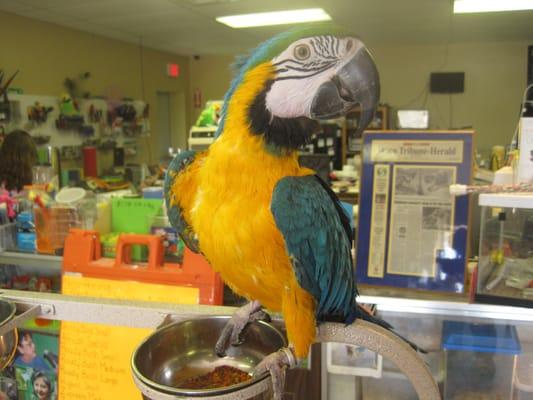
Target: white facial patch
{"type": "Point", "coordinates": [302, 68]}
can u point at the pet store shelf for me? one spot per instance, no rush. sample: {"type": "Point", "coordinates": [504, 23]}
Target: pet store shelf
{"type": "Point", "coordinates": [35, 263]}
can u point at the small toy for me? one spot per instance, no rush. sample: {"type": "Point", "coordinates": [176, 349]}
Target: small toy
{"type": "Point", "coordinates": [69, 114]}
{"type": "Point", "coordinates": [10, 202]}
{"type": "Point", "coordinates": [127, 112]}
{"type": "Point", "coordinates": [95, 115]}
{"type": "Point", "coordinates": [210, 115]}
{"type": "Point", "coordinates": [38, 113]}
{"type": "Point", "coordinates": [67, 106]}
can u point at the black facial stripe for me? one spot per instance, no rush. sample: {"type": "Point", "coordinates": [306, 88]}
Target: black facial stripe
{"type": "Point", "coordinates": [328, 49]}
{"type": "Point", "coordinates": [324, 52]}
{"type": "Point", "coordinates": [282, 134]}
{"type": "Point", "coordinates": [330, 58]}
{"type": "Point", "coordinates": [337, 43]}
{"type": "Point", "coordinates": [318, 44]}
{"type": "Point", "coordinates": [332, 46]}
{"type": "Point", "coordinates": [318, 68]}
{"type": "Point", "coordinates": [314, 46]}
{"type": "Point", "coordinates": [286, 61]}
{"type": "Point", "coordinates": [324, 41]}
{"type": "Point", "coordinates": [283, 78]}
{"type": "Point", "coordinates": [321, 44]}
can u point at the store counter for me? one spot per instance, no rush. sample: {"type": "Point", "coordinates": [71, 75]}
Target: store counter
{"type": "Point", "coordinates": [417, 315]}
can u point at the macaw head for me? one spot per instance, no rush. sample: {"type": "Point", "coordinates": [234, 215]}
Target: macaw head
{"type": "Point", "coordinates": [316, 73]}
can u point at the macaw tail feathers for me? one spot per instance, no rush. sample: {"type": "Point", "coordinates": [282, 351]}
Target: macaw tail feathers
{"type": "Point", "coordinates": [364, 314]}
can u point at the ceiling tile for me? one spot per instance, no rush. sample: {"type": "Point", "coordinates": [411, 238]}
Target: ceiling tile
{"type": "Point", "coordinates": [190, 26]}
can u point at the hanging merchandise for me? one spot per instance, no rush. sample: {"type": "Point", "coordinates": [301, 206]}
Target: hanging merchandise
{"type": "Point", "coordinates": [38, 113]}
{"type": "Point", "coordinates": [70, 117]}
{"type": "Point", "coordinates": [95, 114]}
{"type": "Point", "coordinates": [5, 106]}
{"type": "Point", "coordinates": [90, 162]}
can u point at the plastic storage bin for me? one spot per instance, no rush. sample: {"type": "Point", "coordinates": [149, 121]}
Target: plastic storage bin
{"type": "Point", "coordinates": [52, 226]}
{"type": "Point", "coordinates": [505, 269]}
{"type": "Point", "coordinates": [479, 360]}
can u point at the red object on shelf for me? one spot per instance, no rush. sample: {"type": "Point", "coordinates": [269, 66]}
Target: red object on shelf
{"type": "Point", "coordinates": [90, 161]}
{"type": "Point", "coordinates": [82, 254]}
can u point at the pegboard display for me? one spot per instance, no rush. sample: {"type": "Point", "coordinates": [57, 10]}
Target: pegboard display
{"type": "Point", "coordinates": [95, 120]}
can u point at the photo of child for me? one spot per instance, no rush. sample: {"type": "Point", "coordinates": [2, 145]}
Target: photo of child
{"type": "Point", "coordinates": [36, 366]}
{"type": "Point", "coordinates": [42, 386]}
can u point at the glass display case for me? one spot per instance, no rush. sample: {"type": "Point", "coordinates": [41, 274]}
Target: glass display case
{"type": "Point", "coordinates": [505, 268]}
{"type": "Point", "coordinates": [474, 352]}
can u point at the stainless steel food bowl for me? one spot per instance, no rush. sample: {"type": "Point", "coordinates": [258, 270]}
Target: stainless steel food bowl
{"type": "Point", "coordinates": [8, 341]}
{"type": "Point", "coordinates": [184, 349]}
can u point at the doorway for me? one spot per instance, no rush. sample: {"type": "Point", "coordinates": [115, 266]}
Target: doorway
{"type": "Point", "coordinates": [171, 124]}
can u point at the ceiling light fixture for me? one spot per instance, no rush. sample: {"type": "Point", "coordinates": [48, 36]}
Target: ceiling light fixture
{"type": "Point", "coordinates": [275, 18]}
{"type": "Point", "coordinates": [475, 6]}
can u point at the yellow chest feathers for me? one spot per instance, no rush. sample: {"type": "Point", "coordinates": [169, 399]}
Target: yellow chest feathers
{"type": "Point", "coordinates": [230, 211]}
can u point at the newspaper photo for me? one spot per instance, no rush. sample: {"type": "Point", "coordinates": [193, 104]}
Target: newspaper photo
{"type": "Point", "coordinates": [421, 218]}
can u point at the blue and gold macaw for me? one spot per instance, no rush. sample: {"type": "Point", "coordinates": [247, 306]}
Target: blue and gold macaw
{"type": "Point", "coordinates": [275, 232]}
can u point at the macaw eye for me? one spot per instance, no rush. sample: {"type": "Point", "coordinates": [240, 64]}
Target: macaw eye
{"type": "Point", "coordinates": [302, 52]}
{"type": "Point", "coordinates": [349, 45]}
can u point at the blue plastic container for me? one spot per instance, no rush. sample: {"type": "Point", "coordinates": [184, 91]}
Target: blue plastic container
{"type": "Point", "coordinates": [153, 192]}
{"type": "Point", "coordinates": [479, 359]}
{"type": "Point", "coordinates": [26, 241]}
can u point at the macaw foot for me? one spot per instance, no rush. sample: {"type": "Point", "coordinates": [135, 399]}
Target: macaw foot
{"type": "Point", "coordinates": [231, 333]}
{"type": "Point", "coordinates": [276, 364]}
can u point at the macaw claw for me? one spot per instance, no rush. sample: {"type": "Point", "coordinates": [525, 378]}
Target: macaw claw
{"type": "Point", "coordinates": [276, 364]}
{"type": "Point", "coordinates": [232, 332]}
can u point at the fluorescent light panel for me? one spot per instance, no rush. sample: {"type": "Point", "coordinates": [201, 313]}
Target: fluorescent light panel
{"type": "Point", "coordinates": [275, 18]}
{"type": "Point", "coordinates": [474, 6]}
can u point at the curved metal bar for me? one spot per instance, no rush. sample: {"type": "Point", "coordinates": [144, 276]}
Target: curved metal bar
{"type": "Point", "coordinates": [381, 341]}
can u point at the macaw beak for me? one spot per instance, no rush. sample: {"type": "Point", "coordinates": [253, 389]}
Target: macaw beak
{"type": "Point", "coordinates": [355, 83]}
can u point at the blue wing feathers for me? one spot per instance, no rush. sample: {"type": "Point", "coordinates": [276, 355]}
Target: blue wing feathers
{"type": "Point", "coordinates": [175, 213]}
{"type": "Point", "coordinates": [315, 234]}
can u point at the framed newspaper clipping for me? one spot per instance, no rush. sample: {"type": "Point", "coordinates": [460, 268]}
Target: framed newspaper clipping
{"type": "Point", "coordinates": [412, 233]}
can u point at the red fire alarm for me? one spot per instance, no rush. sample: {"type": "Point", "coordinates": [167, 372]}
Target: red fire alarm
{"type": "Point", "coordinates": [173, 70]}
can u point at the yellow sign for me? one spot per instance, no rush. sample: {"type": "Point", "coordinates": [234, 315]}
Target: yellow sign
{"type": "Point", "coordinates": [94, 359]}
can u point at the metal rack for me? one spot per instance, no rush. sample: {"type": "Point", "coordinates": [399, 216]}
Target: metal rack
{"type": "Point", "coordinates": [46, 265]}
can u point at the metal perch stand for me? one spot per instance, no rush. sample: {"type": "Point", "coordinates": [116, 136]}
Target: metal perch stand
{"type": "Point", "coordinates": [152, 315]}
{"type": "Point", "coordinates": [381, 341]}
